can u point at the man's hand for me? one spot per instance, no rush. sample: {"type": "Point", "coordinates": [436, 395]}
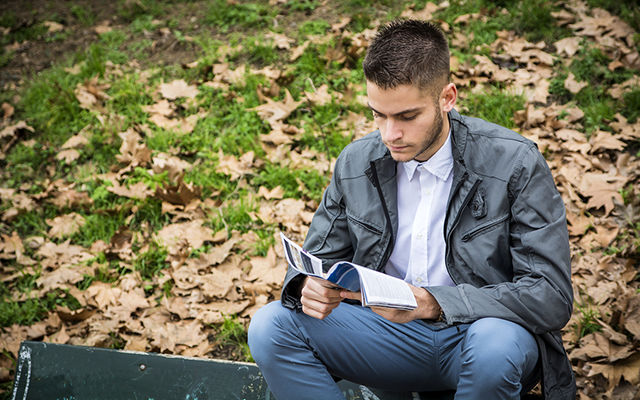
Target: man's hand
{"type": "Point", "coordinates": [319, 298]}
{"type": "Point", "coordinates": [428, 307]}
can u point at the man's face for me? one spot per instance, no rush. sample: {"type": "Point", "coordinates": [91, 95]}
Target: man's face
{"type": "Point", "coordinates": [412, 123]}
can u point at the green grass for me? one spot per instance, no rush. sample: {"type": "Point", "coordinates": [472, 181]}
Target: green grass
{"type": "Point", "coordinates": [588, 316]}
{"type": "Point", "coordinates": [84, 14]}
{"type": "Point", "coordinates": [231, 331]}
{"type": "Point", "coordinates": [149, 264]}
{"type": "Point", "coordinates": [30, 311]}
{"type": "Point", "coordinates": [494, 106]}
{"type": "Point", "coordinates": [241, 15]}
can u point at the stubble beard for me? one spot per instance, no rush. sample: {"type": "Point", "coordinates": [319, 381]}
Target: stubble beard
{"type": "Point", "coordinates": [433, 136]}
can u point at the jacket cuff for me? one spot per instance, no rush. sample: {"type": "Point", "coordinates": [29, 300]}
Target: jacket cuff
{"type": "Point", "coordinates": [290, 298]}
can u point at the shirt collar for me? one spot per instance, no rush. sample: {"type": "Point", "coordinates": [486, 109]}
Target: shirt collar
{"type": "Point", "coordinates": [440, 164]}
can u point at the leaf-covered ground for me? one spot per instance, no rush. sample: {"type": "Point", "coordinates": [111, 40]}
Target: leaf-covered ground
{"type": "Point", "coordinates": [151, 151]}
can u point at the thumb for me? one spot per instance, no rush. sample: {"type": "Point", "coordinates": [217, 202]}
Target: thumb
{"type": "Point", "coordinates": [350, 295]}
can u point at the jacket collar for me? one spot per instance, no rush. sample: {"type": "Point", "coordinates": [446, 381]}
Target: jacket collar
{"type": "Point", "coordinates": [459, 132]}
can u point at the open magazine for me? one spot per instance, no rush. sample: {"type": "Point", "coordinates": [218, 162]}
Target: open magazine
{"type": "Point", "coordinates": [378, 289]}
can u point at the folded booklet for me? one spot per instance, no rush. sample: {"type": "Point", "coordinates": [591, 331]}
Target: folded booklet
{"type": "Point", "coordinates": [378, 289]}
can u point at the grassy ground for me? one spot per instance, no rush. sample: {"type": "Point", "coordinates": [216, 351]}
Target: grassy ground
{"type": "Point", "coordinates": [122, 53]}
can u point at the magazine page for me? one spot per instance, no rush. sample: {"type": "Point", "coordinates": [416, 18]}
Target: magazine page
{"type": "Point", "coordinates": [380, 289]}
{"type": "Point", "coordinates": [299, 259]}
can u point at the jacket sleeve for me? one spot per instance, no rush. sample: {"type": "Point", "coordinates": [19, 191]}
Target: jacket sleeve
{"type": "Point", "coordinates": [540, 295]}
{"type": "Point", "coordinates": [328, 237]}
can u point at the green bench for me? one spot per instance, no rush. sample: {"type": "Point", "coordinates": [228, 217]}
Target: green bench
{"type": "Point", "coordinates": [61, 372]}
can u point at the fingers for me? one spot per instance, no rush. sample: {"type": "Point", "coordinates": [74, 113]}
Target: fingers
{"type": "Point", "coordinates": [322, 288]}
{"type": "Point", "coordinates": [351, 295]}
{"type": "Point", "coordinates": [318, 299]}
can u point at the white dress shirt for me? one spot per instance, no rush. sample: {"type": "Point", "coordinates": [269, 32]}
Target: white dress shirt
{"type": "Point", "coordinates": [418, 256]}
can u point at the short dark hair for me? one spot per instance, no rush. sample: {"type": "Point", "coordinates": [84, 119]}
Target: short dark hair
{"type": "Point", "coordinates": [408, 52]}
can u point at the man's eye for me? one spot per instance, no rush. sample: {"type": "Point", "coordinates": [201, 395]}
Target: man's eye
{"type": "Point", "coordinates": [408, 117]}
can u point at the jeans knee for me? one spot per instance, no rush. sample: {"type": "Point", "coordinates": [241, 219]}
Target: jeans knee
{"type": "Point", "coordinates": [500, 344]}
{"type": "Point", "coordinates": [263, 329]}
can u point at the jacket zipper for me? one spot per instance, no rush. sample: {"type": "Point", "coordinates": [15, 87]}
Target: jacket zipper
{"type": "Point", "coordinates": [468, 236]}
{"type": "Point", "coordinates": [376, 183]}
{"type": "Point", "coordinates": [455, 223]}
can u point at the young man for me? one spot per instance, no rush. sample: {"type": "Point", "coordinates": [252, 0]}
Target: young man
{"type": "Point", "coordinates": [463, 210]}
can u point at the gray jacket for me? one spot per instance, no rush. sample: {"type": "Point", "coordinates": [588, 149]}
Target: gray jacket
{"type": "Point", "coordinates": [505, 232]}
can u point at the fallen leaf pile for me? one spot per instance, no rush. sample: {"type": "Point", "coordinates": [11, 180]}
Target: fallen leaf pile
{"type": "Point", "coordinates": [176, 309]}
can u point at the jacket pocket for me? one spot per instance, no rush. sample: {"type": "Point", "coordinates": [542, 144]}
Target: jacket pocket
{"type": "Point", "coordinates": [363, 225]}
{"type": "Point", "coordinates": [484, 228]}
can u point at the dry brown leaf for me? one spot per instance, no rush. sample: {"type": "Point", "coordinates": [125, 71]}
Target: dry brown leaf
{"type": "Point", "coordinates": [215, 284]}
{"type": "Point", "coordinates": [60, 337]}
{"type": "Point", "coordinates": [181, 193]}
{"type": "Point", "coordinates": [131, 301]}
{"type": "Point", "coordinates": [605, 140]}
{"type": "Point", "coordinates": [568, 46]}
{"type": "Point", "coordinates": [338, 26]}
{"type": "Point", "coordinates": [163, 107]}
{"type": "Point", "coordinates": [137, 191]}
{"type": "Point", "coordinates": [425, 14]}
{"type": "Point", "coordinates": [277, 111]}
{"type": "Point", "coordinates": [178, 88]}
{"type": "Point", "coordinates": [267, 269]}
{"type": "Point", "coordinates": [173, 165]}
{"type": "Point", "coordinates": [606, 232]}
{"type": "Point", "coordinates": [176, 305]}
{"type": "Point", "coordinates": [59, 278]}
{"type": "Point", "coordinates": [65, 225]}
{"type": "Point", "coordinates": [7, 110]}
{"type": "Point", "coordinates": [72, 199]}
{"type": "Point", "coordinates": [628, 369]}
{"type": "Point", "coordinates": [75, 142]}
{"type": "Point", "coordinates": [132, 151]}
{"type": "Point", "coordinates": [578, 224]}
{"type": "Point", "coordinates": [11, 130]}
{"type": "Point", "coordinates": [632, 317]}
{"type": "Point", "coordinates": [299, 51]}
{"type": "Point", "coordinates": [103, 27]}
{"type": "Point", "coordinates": [541, 92]}
{"type": "Point", "coordinates": [275, 193]}
{"type": "Point", "coordinates": [258, 302]}
{"type": "Point", "coordinates": [280, 40]}
{"type": "Point", "coordinates": [563, 16]}
{"type": "Point", "coordinates": [572, 85]}
{"type": "Point", "coordinates": [321, 96]}
{"type": "Point", "coordinates": [217, 312]}
{"type": "Point", "coordinates": [602, 194]}
{"type": "Point", "coordinates": [193, 232]}
{"type": "Point", "coordinates": [90, 94]}
{"type": "Point", "coordinates": [574, 114]}
{"type": "Point", "coordinates": [68, 156]}
{"type": "Point", "coordinates": [234, 167]}
{"type": "Point", "coordinates": [135, 342]}
{"type": "Point", "coordinates": [53, 26]}
{"type": "Point", "coordinates": [56, 255]}
{"type": "Point", "coordinates": [104, 294]}
{"type": "Point", "coordinates": [464, 19]}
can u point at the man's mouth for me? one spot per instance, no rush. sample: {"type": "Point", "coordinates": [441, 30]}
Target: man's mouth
{"type": "Point", "coordinates": [392, 147]}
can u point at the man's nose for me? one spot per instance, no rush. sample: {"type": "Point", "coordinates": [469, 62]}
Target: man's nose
{"type": "Point", "coordinates": [393, 131]}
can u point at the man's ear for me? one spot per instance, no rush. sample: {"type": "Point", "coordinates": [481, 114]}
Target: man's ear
{"type": "Point", "coordinates": [448, 97]}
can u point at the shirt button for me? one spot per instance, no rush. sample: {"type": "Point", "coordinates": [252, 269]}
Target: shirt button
{"type": "Point", "coordinates": [419, 235]}
{"type": "Point", "coordinates": [418, 280]}
{"type": "Point", "coordinates": [428, 191]}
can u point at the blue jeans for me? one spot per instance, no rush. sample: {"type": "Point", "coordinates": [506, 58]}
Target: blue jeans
{"type": "Point", "coordinates": [299, 355]}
